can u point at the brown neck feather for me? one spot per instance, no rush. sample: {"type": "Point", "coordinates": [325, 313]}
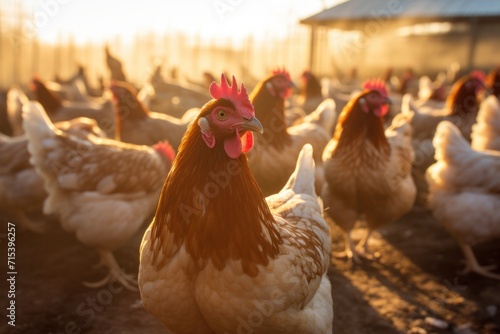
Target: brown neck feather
{"type": "Point", "coordinates": [493, 82]}
{"type": "Point", "coordinates": [213, 205]}
{"type": "Point", "coordinates": [128, 108]}
{"type": "Point", "coordinates": [462, 100]}
{"type": "Point", "coordinates": [270, 110]}
{"type": "Point", "coordinates": [312, 88]}
{"type": "Point", "coordinates": [355, 124]}
{"type": "Point", "coordinates": [50, 102]}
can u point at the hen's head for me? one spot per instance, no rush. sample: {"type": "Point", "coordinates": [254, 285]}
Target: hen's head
{"type": "Point", "coordinates": [374, 98]}
{"type": "Point", "coordinates": [126, 102]}
{"type": "Point", "coordinates": [463, 97]}
{"type": "Point", "coordinates": [476, 82]}
{"type": "Point", "coordinates": [229, 119]}
{"type": "Point", "coordinates": [50, 102]}
{"type": "Point", "coordinates": [36, 84]}
{"type": "Point", "coordinates": [306, 75]}
{"type": "Point", "coordinates": [279, 84]}
{"type": "Point", "coordinates": [121, 89]}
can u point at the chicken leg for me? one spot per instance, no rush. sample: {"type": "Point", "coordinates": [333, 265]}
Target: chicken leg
{"type": "Point", "coordinates": [351, 251]}
{"type": "Point", "coordinates": [355, 253]}
{"type": "Point", "coordinates": [115, 272]}
{"type": "Point", "coordinates": [362, 247]}
{"type": "Point", "coordinates": [471, 264]}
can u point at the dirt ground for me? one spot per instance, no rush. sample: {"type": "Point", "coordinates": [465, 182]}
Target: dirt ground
{"type": "Point", "coordinates": [412, 288]}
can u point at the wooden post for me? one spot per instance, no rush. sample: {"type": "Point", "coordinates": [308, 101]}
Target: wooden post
{"type": "Point", "coordinates": [312, 48]}
{"type": "Point", "coordinates": [472, 43]}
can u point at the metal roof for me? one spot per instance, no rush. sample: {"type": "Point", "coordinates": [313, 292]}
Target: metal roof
{"type": "Point", "coordinates": [425, 10]}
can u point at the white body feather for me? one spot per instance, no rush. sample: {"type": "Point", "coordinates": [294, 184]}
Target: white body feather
{"type": "Point", "coordinates": [464, 187]}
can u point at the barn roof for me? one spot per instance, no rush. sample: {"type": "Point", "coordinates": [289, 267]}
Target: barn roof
{"type": "Point", "coordinates": [359, 11]}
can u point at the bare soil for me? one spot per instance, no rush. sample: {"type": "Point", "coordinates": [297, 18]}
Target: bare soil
{"type": "Point", "coordinates": [415, 278]}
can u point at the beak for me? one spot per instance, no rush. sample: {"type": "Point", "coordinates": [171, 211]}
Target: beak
{"type": "Point", "coordinates": [388, 101]}
{"type": "Point", "coordinates": [252, 124]}
{"type": "Point", "coordinates": [293, 85]}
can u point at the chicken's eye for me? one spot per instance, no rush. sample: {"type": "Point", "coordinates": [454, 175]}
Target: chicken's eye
{"type": "Point", "coordinates": [221, 114]}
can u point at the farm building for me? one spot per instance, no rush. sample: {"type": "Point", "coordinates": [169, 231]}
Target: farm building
{"type": "Point", "coordinates": [426, 35]}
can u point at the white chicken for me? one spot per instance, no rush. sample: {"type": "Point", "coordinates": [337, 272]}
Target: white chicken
{"type": "Point", "coordinates": [102, 190]}
{"type": "Point", "coordinates": [21, 188]}
{"type": "Point", "coordinates": [486, 132]}
{"type": "Point", "coordinates": [464, 187]}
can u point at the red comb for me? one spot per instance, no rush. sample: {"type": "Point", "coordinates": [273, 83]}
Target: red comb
{"type": "Point", "coordinates": [479, 75]}
{"type": "Point", "coordinates": [164, 148]}
{"type": "Point", "coordinates": [281, 71]}
{"type": "Point", "coordinates": [376, 85]}
{"type": "Point", "coordinates": [238, 97]}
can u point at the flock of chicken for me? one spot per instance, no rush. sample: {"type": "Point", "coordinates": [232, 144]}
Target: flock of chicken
{"type": "Point", "coordinates": [218, 250]}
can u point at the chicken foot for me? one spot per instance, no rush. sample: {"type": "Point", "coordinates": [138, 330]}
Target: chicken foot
{"type": "Point", "coordinates": [350, 250]}
{"type": "Point", "coordinates": [115, 273]}
{"type": "Point", "coordinates": [471, 264]}
{"type": "Point", "coordinates": [355, 253]}
{"type": "Point", "coordinates": [362, 247]}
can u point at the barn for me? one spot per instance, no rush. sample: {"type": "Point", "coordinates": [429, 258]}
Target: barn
{"type": "Point", "coordinates": [425, 35]}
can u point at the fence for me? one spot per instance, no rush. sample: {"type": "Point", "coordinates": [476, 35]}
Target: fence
{"type": "Point", "coordinates": [249, 58]}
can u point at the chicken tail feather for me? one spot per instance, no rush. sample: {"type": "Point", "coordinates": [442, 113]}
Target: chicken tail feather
{"type": "Point", "coordinates": [408, 105]}
{"type": "Point", "coordinates": [449, 142]}
{"type": "Point", "coordinates": [302, 179]}
{"type": "Point", "coordinates": [324, 115]}
{"type": "Point", "coordinates": [16, 99]}
{"type": "Point", "coordinates": [36, 122]}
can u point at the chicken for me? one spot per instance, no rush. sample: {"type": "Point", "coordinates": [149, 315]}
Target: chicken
{"type": "Point", "coordinates": [311, 94]}
{"type": "Point", "coordinates": [462, 105]}
{"type": "Point", "coordinates": [5, 127]}
{"type": "Point", "coordinates": [59, 110]}
{"type": "Point", "coordinates": [21, 188]}
{"type": "Point", "coordinates": [207, 77]}
{"type": "Point", "coordinates": [84, 91]}
{"type": "Point", "coordinates": [114, 66]}
{"type": "Point", "coordinates": [432, 94]}
{"type": "Point", "coordinates": [101, 190]}
{"type": "Point", "coordinates": [137, 125]}
{"type": "Point", "coordinates": [16, 98]}
{"type": "Point", "coordinates": [368, 170]}
{"type": "Point", "coordinates": [486, 132]}
{"type": "Point", "coordinates": [170, 97]}
{"type": "Point", "coordinates": [216, 262]}
{"type": "Point", "coordinates": [464, 195]}
{"type": "Point", "coordinates": [276, 150]}
{"type": "Point", "coordinates": [408, 83]}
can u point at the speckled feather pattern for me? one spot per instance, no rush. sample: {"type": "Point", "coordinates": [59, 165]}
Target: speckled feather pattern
{"type": "Point", "coordinates": [102, 190]}
{"type": "Point", "coordinates": [363, 180]}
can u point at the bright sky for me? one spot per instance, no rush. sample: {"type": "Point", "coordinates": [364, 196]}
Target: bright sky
{"type": "Point", "coordinates": [99, 20]}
